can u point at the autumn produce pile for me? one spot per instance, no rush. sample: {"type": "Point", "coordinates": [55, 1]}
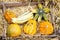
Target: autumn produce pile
{"type": "Point", "coordinates": [33, 19]}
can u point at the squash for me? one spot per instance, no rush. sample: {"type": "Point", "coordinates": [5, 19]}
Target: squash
{"type": "Point", "coordinates": [9, 14]}
{"type": "Point", "coordinates": [45, 28]}
{"type": "Point", "coordinates": [23, 18]}
{"type": "Point", "coordinates": [13, 30]}
{"type": "Point", "coordinates": [30, 27]}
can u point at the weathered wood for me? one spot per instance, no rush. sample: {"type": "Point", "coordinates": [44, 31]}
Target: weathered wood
{"type": "Point", "coordinates": [12, 4]}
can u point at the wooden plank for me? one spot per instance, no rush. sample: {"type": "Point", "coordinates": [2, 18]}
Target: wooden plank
{"type": "Point", "coordinates": [12, 4]}
{"type": "Point", "coordinates": [19, 4]}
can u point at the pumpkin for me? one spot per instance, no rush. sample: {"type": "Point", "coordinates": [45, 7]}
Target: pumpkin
{"type": "Point", "coordinates": [13, 30]}
{"type": "Point", "coordinates": [45, 28]}
{"type": "Point", "coordinates": [9, 14]}
{"type": "Point", "coordinates": [30, 27]}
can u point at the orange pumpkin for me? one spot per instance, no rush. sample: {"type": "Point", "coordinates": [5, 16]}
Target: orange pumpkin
{"type": "Point", "coordinates": [46, 28]}
{"type": "Point", "coordinates": [9, 14]}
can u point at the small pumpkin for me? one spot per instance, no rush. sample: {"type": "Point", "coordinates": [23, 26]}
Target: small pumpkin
{"type": "Point", "coordinates": [45, 28]}
{"type": "Point", "coordinates": [9, 14]}
{"type": "Point", "coordinates": [13, 30]}
{"type": "Point", "coordinates": [30, 27]}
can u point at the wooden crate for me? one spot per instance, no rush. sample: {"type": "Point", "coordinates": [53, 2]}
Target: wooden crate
{"type": "Point", "coordinates": [38, 36]}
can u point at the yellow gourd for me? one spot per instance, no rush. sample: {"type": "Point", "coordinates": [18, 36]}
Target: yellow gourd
{"type": "Point", "coordinates": [46, 10]}
{"type": "Point", "coordinates": [13, 30]}
{"type": "Point", "coordinates": [45, 28]}
{"type": "Point", "coordinates": [9, 14]}
{"type": "Point", "coordinates": [40, 6]}
{"type": "Point", "coordinates": [30, 27]}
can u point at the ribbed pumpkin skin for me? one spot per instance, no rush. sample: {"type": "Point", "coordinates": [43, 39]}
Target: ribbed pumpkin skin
{"type": "Point", "coordinates": [46, 28]}
{"type": "Point", "coordinates": [30, 27]}
{"type": "Point", "coordinates": [9, 15]}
